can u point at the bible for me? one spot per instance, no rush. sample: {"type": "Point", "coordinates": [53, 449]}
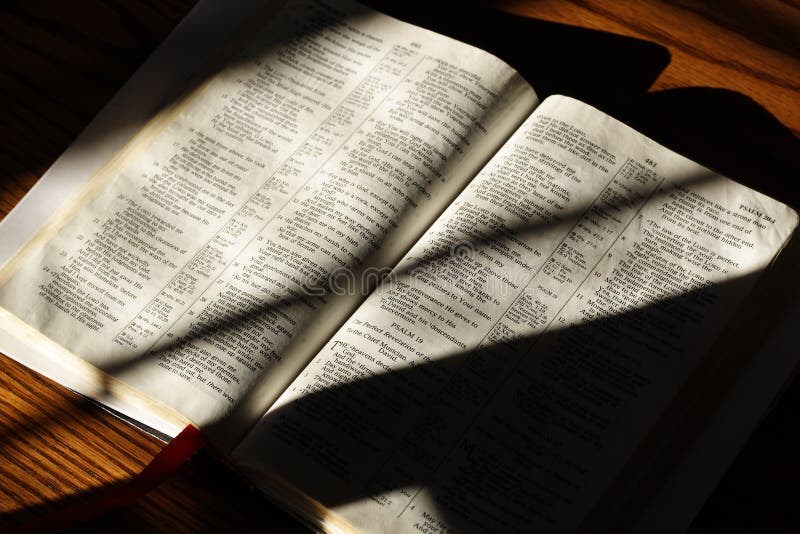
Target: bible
{"type": "Point", "coordinates": [397, 291]}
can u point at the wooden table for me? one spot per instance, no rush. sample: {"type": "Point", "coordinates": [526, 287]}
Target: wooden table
{"type": "Point", "coordinates": [723, 89]}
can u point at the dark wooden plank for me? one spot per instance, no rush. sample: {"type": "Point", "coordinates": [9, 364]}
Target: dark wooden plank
{"type": "Point", "coordinates": [746, 46]}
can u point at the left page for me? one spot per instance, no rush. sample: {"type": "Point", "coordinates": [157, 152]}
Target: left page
{"type": "Point", "coordinates": [193, 265]}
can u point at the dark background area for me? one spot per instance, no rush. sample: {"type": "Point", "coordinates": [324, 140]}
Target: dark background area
{"type": "Point", "coordinates": [717, 83]}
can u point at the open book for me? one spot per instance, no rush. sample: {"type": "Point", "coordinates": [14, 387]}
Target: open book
{"type": "Point", "coordinates": [395, 289]}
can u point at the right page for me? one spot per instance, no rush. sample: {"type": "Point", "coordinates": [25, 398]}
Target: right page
{"type": "Point", "coordinates": [517, 358]}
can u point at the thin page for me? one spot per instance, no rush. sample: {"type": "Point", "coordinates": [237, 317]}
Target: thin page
{"type": "Point", "coordinates": [504, 374]}
{"type": "Point", "coordinates": [201, 263]}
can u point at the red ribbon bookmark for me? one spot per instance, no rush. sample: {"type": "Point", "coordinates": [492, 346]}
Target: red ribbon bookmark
{"type": "Point", "coordinates": [159, 469]}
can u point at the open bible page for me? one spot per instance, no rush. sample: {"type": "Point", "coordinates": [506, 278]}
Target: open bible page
{"type": "Point", "coordinates": [503, 375]}
{"type": "Point", "coordinates": [193, 267]}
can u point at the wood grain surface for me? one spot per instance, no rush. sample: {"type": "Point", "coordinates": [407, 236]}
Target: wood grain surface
{"type": "Point", "coordinates": [718, 81]}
